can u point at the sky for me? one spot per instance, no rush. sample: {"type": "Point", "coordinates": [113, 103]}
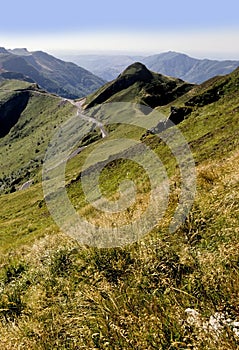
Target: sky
{"type": "Point", "coordinates": [200, 28]}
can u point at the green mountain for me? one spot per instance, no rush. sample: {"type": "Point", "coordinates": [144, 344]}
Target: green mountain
{"type": "Point", "coordinates": [138, 84]}
{"type": "Point", "coordinates": [169, 290]}
{"type": "Point", "coordinates": [207, 93]}
{"type": "Point", "coordinates": [56, 76]}
{"type": "Point", "coordinates": [28, 119]}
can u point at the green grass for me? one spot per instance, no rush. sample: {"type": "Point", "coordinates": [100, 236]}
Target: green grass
{"type": "Point", "coordinates": [137, 84]}
{"type": "Point", "coordinates": [27, 141]}
{"type": "Point", "coordinates": [13, 85]}
{"type": "Point", "coordinates": [57, 294]}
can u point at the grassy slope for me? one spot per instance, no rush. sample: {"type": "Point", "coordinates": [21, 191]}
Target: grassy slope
{"type": "Point", "coordinates": [28, 139]}
{"type": "Point", "coordinates": [137, 84]}
{"type": "Point", "coordinates": [58, 295]}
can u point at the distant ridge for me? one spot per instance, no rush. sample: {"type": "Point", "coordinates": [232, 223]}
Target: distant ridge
{"type": "Point", "coordinates": [54, 75]}
{"type": "Point", "coordinates": [20, 51]}
{"type": "Point", "coordinates": [170, 63]}
{"type": "Point", "coordinates": [3, 50]}
{"type": "Point", "coordinates": [187, 68]}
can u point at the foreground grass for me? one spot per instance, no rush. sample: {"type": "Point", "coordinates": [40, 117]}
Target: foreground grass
{"type": "Point", "coordinates": [57, 294]}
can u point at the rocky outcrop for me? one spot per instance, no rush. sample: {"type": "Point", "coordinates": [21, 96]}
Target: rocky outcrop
{"type": "Point", "coordinates": [178, 114]}
{"type": "Point", "coordinates": [207, 97]}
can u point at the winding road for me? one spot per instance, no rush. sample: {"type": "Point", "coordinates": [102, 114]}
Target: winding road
{"type": "Point", "coordinates": [80, 113]}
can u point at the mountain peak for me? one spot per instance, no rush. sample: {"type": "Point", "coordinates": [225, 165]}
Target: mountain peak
{"type": "Point", "coordinates": [3, 50]}
{"type": "Point", "coordinates": [137, 80]}
{"type": "Point", "coordinates": [21, 51]}
{"type": "Point", "coordinates": [138, 70]}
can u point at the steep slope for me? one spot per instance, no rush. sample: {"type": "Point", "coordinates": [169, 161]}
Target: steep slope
{"type": "Point", "coordinates": [167, 291]}
{"type": "Point", "coordinates": [138, 84]}
{"type": "Point", "coordinates": [210, 91]}
{"type": "Point", "coordinates": [63, 78]}
{"type": "Point", "coordinates": [11, 108]}
{"type": "Point", "coordinates": [187, 68]}
{"type": "Point", "coordinates": [28, 118]}
{"type": "Point", "coordinates": [213, 90]}
{"type": "Point", "coordinates": [15, 76]}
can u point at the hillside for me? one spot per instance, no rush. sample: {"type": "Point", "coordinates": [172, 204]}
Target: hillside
{"type": "Point", "coordinates": [28, 118]}
{"type": "Point", "coordinates": [168, 290]}
{"type": "Point", "coordinates": [56, 76]}
{"type": "Point", "coordinates": [138, 84]}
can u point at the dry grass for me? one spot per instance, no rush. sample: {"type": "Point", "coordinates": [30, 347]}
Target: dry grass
{"type": "Point", "coordinates": [56, 294]}
{"type": "Point", "coordinates": [72, 297]}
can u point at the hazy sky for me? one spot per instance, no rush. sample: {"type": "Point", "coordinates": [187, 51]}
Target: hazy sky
{"type": "Point", "coordinates": [197, 27]}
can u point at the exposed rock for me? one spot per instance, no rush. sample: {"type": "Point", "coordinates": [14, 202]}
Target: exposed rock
{"type": "Point", "coordinates": [26, 185]}
{"type": "Point", "coordinates": [178, 114]}
{"type": "Point", "coordinates": [216, 323]}
{"type": "Point", "coordinates": [209, 96]}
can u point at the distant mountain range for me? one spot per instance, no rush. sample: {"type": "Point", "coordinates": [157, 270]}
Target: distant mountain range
{"type": "Point", "coordinates": [169, 63]}
{"type": "Point", "coordinates": [108, 67]}
{"type": "Point", "coordinates": [54, 75]}
{"type": "Point", "coordinates": [187, 68]}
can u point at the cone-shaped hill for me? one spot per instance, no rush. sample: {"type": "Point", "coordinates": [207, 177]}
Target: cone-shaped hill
{"type": "Point", "coordinates": [140, 85]}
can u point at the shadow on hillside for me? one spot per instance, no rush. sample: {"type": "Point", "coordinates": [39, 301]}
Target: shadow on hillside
{"type": "Point", "coordinates": [11, 110]}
